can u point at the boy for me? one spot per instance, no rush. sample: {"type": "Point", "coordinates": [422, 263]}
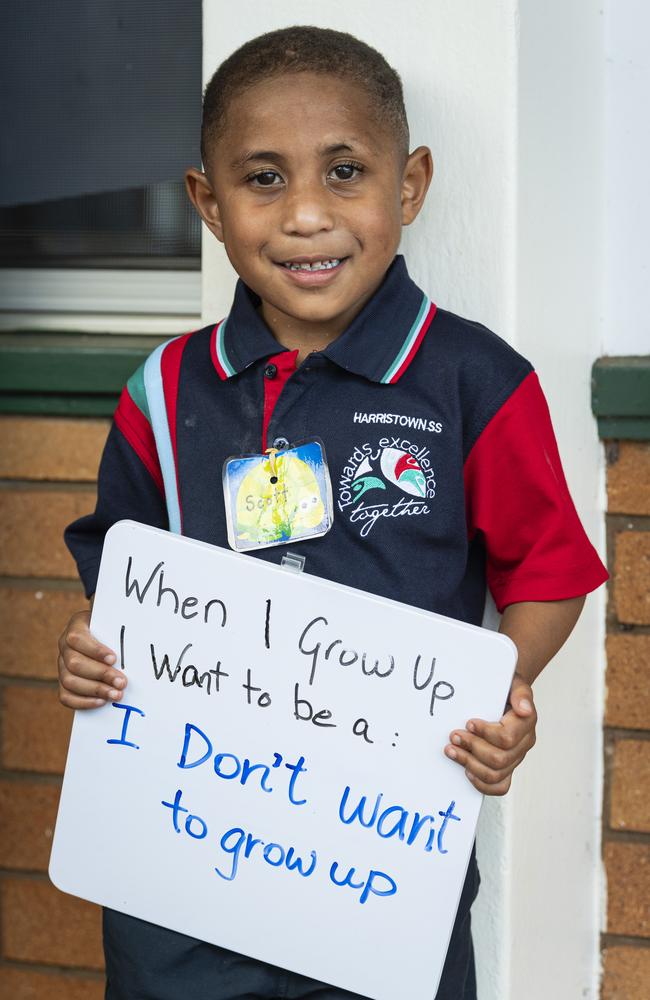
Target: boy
{"type": "Point", "coordinates": [445, 470]}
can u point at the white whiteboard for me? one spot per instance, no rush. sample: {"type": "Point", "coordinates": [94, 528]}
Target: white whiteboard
{"type": "Point", "coordinates": [255, 862]}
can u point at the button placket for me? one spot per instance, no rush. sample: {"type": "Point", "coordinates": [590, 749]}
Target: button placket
{"type": "Point", "coordinates": [284, 431]}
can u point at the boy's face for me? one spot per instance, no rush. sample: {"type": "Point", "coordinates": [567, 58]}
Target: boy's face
{"type": "Point", "coordinates": [304, 174]}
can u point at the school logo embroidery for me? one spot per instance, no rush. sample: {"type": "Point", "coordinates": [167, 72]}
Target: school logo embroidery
{"type": "Point", "coordinates": [393, 478]}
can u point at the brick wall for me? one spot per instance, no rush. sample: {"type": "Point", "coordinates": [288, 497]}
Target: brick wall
{"type": "Point", "coordinates": [50, 942]}
{"type": "Point", "coordinates": [626, 806]}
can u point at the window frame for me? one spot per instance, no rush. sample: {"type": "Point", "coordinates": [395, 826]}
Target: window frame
{"type": "Point", "coordinates": [100, 300]}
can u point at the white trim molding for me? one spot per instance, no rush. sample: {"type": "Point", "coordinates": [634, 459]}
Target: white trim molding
{"type": "Point", "coordinates": [110, 292]}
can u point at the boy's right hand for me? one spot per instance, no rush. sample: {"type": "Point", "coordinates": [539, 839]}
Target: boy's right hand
{"type": "Point", "coordinates": [87, 676]}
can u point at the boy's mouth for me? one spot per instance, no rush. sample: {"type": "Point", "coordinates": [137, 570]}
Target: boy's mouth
{"type": "Point", "coordinates": [326, 264]}
{"type": "Point", "coordinates": [312, 272]}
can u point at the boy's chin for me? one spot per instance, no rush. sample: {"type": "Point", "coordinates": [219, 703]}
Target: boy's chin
{"type": "Point", "coordinates": [316, 316]}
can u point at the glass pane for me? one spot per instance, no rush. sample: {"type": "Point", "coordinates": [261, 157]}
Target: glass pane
{"type": "Point", "coordinates": [150, 227]}
{"type": "Point", "coordinates": [102, 117]}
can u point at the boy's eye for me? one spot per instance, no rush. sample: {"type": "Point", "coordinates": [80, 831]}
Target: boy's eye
{"type": "Point", "coordinates": [264, 178]}
{"type": "Point", "coordinates": [346, 171]}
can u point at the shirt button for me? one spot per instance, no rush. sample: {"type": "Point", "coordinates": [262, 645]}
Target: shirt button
{"type": "Point", "coordinates": [281, 443]}
{"type": "Point", "coordinates": [270, 371]}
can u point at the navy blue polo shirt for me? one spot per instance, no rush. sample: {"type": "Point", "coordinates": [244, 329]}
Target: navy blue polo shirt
{"type": "Point", "coordinates": [445, 472]}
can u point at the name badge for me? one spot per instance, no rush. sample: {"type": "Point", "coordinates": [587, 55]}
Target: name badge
{"type": "Point", "coordinates": [277, 498]}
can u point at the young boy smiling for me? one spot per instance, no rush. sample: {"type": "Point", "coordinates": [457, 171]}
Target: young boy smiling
{"type": "Point", "coordinates": [446, 472]}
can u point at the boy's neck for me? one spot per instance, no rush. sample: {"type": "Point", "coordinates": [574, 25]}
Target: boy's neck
{"type": "Point", "coordinates": [298, 335]}
{"type": "Point", "coordinates": [307, 336]}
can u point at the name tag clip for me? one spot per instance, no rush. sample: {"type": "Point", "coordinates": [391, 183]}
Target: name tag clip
{"type": "Point", "coordinates": [293, 561]}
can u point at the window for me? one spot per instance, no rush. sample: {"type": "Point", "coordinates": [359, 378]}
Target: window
{"type": "Point", "coordinates": [103, 118]}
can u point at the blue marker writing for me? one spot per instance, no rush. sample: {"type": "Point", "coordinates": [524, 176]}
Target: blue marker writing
{"type": "Point", "coordinates": [233, 847]}
{"type": "Point", "coordinates": [358, 812]}
{"type": "Point", "coordinates": [127, 709]}
{"type": "Point", "coordinates": [367, 887]}
{"type": "Point", "coordinates": [347, 880]}
{"type": "Point", "coordinates": [200, 826]}
{"type": "Point", "coordinates": [237, 842]}
{"type": "Point", "coordinates": [295, 769]}
{"type": "Point", "coordinates": [189, 729]}
{"type": "Point", "coordinates": [446, 816]}
{"type": "Point", "coordinates": [369, 890]}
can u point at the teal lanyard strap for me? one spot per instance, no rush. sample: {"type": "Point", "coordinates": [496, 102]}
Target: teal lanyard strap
{"type": "Point", "coordinates": [153, 385]}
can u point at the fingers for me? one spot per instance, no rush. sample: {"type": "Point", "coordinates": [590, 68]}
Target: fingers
{"type": "Point", "coordinates": [520, 698]}
{"type": "Point", "coordinates": [87, 677]}
{"type": "Point", "coordinates": [498, 788]}
{"type": "Point", "coordinates": [519, 719]}
{"type": "Point", "coordinates": [90, 679]}
{"type": "Point", "coordinates": [490, 751]}
{"type": "Point", "coordinates": [78, 636]}
{"type": "Point", "coordinates": [488, 768]}
{"type": "Point", "coordinates": [505, 734]}
{"type": "Point", "coordinates": [487, 754]}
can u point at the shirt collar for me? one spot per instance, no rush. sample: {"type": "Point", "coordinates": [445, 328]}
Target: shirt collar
{"type": "Point", "coordinates": [379, 344]}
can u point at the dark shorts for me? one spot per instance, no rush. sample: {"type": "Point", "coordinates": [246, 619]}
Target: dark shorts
{"type": "Point", "coordinates": [147, 962]}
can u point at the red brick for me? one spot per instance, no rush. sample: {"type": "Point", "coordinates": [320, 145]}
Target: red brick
{"type": "Point", "coordinates": [626, 973]}
{"type": "Point", "coordinates": [35, 730]}
{"type": "Point", "coordinates": [42, 925]}
{"type": "Point", "coordinates": [630, 797]}
{"type": "Point", "coordinates": [31, 622]}
{"type": "Point", "coordinates": [31, 530]}
{"type": "Point", "coordinates": [628, 681]}
{"type": "Point", "coordinates": [628, 478]}
{"type": "Point", "coordinates": [632, 577]}
{"type": "Point", "coordinates": [628, 888]}
{"type": "Point", "coordinates": [28, 810]}
{"type": "Point", "coordinates": [51, 448]}
{"type": "Point", "coordinates": [25, 984]}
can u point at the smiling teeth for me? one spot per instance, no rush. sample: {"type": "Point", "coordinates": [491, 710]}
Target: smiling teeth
{"type": "Point", "coordinates": [318, 265]}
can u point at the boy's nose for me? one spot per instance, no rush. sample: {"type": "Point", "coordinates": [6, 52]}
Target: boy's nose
{"type": "Point", "coordinates": [306, 211]}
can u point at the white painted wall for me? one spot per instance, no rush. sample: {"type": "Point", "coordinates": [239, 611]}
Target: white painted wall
{"type": "Point", "coordinates": [627, 247]}
{"type": "Point", "coordinates": [554, 858]}
{"type": "Point", "coordinates": [511, 235]}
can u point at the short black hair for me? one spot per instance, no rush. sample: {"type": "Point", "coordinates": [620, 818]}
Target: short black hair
{"type": "Point", "coordinates": [304, 49]}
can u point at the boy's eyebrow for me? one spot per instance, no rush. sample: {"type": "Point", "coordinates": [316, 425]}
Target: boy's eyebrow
{"type": "Point", "coordinates": [255, 155]}
{"type": "Point", "coordinates": [336, 147]}
{"type": "Point", "coordinates": [350, 145]}
{"type": "Point", "coordinates": [259, 155]}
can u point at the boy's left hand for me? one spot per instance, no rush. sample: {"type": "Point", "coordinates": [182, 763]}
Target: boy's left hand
{"type": "Point", "coordinates": [490, 751]}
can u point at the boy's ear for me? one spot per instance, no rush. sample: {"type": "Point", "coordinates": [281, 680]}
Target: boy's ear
{"type": "Point", "coordinates": [416, 178]}
{"type": "Point", "coordinates": [203, 198]}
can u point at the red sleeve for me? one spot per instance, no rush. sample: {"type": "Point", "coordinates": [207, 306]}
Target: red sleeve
{"type": "Point", "coordinates": [517, 498]}
{"type": "Point", "coordinates": [136, 428]}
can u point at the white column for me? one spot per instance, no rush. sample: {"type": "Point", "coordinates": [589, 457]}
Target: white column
{"type": "Point", "coordinates": [627, 193]}
{"type": "Point", "coordinates": [554, 857]}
